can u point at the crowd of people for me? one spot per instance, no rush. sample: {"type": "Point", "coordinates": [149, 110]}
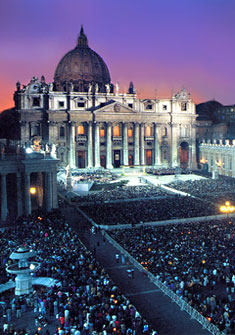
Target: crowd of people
{"type": "Point", "coordinates": [204, 187]}
{"type": "Point", "coordinates": [122, 192]}
{"type": "Point", "coordinates": [196, 260]}
{"type": "Point", "coordinates": [148, 210]}
{"type": "Point", "coordinates": [87, 302]}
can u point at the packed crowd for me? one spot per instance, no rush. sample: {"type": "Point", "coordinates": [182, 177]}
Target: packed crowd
{"type": "Point", "coordinates": [148, 210]}
{"type": "Point", "coordinates": [204, 187]}
{"type": "Point", "coordinates": [166, 171]}
{"type": "Point", "coordinates": [197, 261]}
{"type": "Point", "coordinates": [87, 302]}
{"type": "Point", "coordinates": [121, 192]}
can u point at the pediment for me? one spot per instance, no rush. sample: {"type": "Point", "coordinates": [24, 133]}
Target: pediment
{"type": "Point", "coordinates": [115, 108]}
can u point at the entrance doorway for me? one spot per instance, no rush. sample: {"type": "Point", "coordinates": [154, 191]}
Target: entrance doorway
{"type": "Point", "coordinates": [148, 157]}
{"type": "Point", "coordinates": [184, 155]}
{"type": "Point", "coordinates": [130, 160]}
{"type": "Point", "coordinates": [103, 161]}
{"type": "Point", "coordinates": [81, 159]}
{"type": "Point", "coordinates": [117, 155]}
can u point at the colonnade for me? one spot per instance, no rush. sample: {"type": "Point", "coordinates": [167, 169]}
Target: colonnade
{"type": "Point", "coordinates": [23, 195]}
{"type": "Point", "coordinates": [139, 144]}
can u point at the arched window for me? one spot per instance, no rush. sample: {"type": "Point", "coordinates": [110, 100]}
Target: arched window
{"type": "Point", "coordinates": [62, 157]}
{"type": "Point", "coordinates": [148, 131]}
{"type": "Point", "coordinates": [130, 132]}
{"type": "Point", "coordinates": [62, 132]}
{"type": "Point", "coordinates": [81, 130]}
{"type": "Point", "coordinates": [102, 132]}
{"type": "Point", "coordinates": [116, 131]}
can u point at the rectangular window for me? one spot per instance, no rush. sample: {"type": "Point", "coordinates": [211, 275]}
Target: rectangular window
{"type": "Point", "coordinates": [149, 106]}
{"type": "Point", "coordinates": [164, 107]}
{"type": "Point", "coordinates": [183, 106]}
{"type": "Point", "coordinates": [62, 132]}
{"type": "Point", "coordinates": [81, 104]}
{"type": "Point", "coordinates": [212, 161]}
{"type": "Point", "coordinates": [36, 102]}
{"type": "Point", "coordinates": [230, 165]}
{"type": "Point", "coordinates": [61, 104]}
{"type": "Point", "coordinates": [130, 105]}
{"type": "Point", "coordinates": [130, 132]}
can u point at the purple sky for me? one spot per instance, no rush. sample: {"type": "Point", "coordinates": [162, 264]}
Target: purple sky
{"type": "Point", "coordinates": [161, 45]}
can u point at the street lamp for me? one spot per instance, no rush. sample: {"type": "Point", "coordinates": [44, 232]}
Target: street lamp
{"type": "Point", "coordinates": [227, 208]}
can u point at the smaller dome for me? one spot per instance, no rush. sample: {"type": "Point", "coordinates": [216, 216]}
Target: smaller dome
{"type": "Point", "coordinates": [81, 67]}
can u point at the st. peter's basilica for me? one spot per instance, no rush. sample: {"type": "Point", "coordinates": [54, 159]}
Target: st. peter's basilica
{"type": "Point", "coordinates": [85, 121]}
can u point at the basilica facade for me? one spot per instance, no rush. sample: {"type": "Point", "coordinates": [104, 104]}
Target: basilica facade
{"type": "Point", "coordinates": [85, 121]}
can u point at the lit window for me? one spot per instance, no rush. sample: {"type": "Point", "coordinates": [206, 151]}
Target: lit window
{"type": "Point", "coordinates": [130, 132]}
{"type": "Point", "coordinates": [116, 131]}
{"type": "Point", "coordinates": [148, 131]}
{"type": "Point", "coordinates": [102, 132]}
{"type": "Point", "coordinates": [80, 130]}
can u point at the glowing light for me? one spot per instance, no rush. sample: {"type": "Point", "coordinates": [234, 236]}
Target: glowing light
{"type": "Point", "coordinates": [32, 266]}
{"type": "Point", "coordinates": [28, 150]}
{"type": "Point", "coordinates": [33, 190]}
{"type": "Point", "coordinates": [227, 203]}
{"type": "Point", "coordinates": [203, 261]}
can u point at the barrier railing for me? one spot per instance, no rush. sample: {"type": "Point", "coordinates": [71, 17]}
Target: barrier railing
{"type": "Point", "coordinates": [184, 306]}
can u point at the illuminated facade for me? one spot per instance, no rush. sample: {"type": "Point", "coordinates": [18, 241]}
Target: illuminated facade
{"type": "Point", "coordinates": [89, 123]}
{"type": "Point", "coordinates": [219, 157]}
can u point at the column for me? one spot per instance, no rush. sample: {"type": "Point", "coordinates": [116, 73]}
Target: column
{"type": "Point", "coordinates": [19, 194]}
{"type": "Point", "coordinates": [193, 135]}
{"type": "Point", "coordinates": [72, 146]}
{"type": "Point", "coordinates": [49, 192]}
{"type": "Point", "coordinates": [3, 197]}
{"type": "Point", "coordinates": [90, 147]}
{"type": "Point", "coordinates": [174, 147]}
{"type": "Point", "coordinates": [125, 145]}
{"type": "Point", "coordinates": [142, 152]}
{"type": "Point", "coordinates": [109, 147]}
{"type": "Point", "coordinates": [137, 145]}
{"type": "Point", "coordinates": [54, 190]}
{"type": "Point", "coordinates": [156, 146]}
{"type": "Point", "coordinates": [27, 196]}
{"type": "Point", "coordinates": [97, 145]}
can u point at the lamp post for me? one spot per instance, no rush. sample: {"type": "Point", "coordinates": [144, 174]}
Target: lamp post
{"type": "Point", "coordinates": [227, 208]}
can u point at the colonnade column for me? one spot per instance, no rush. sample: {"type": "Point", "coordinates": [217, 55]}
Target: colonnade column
{"type": "Point", "coordinates": [137, 145]}
{"type": "Point", "coordinates": [156, 146]}
{"type": "Point", "coordinates": [19, 194]}
{"type": "Point", "coordinates": [142, 152]}
{"type": "Point", "coordinates": [27, 196]}
{"type": "Point", "coordinates": [3, 197]}
{"type": "Point", "coordinates": [54, 190]}
{"type": "Point", "coordinates": [90, 147]}
{"type": "Point", "coordinates": [125, 145]}
{"type": "Point", "coordinates": [109, 147]}
{"type": "Point", "coordinates": [97, 145]}
{"type": "Point", "coordinates": [72, 145]}
{"type": "Point", "coordinates": [174, 146]}
{"type": "Point", "coordinates": [193, 136]}
{"type": "Point", "coordinates": [48, 191]}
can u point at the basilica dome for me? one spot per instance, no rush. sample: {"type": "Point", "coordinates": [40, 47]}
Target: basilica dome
{"type": "Point", "coordinates": [81, 67]}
